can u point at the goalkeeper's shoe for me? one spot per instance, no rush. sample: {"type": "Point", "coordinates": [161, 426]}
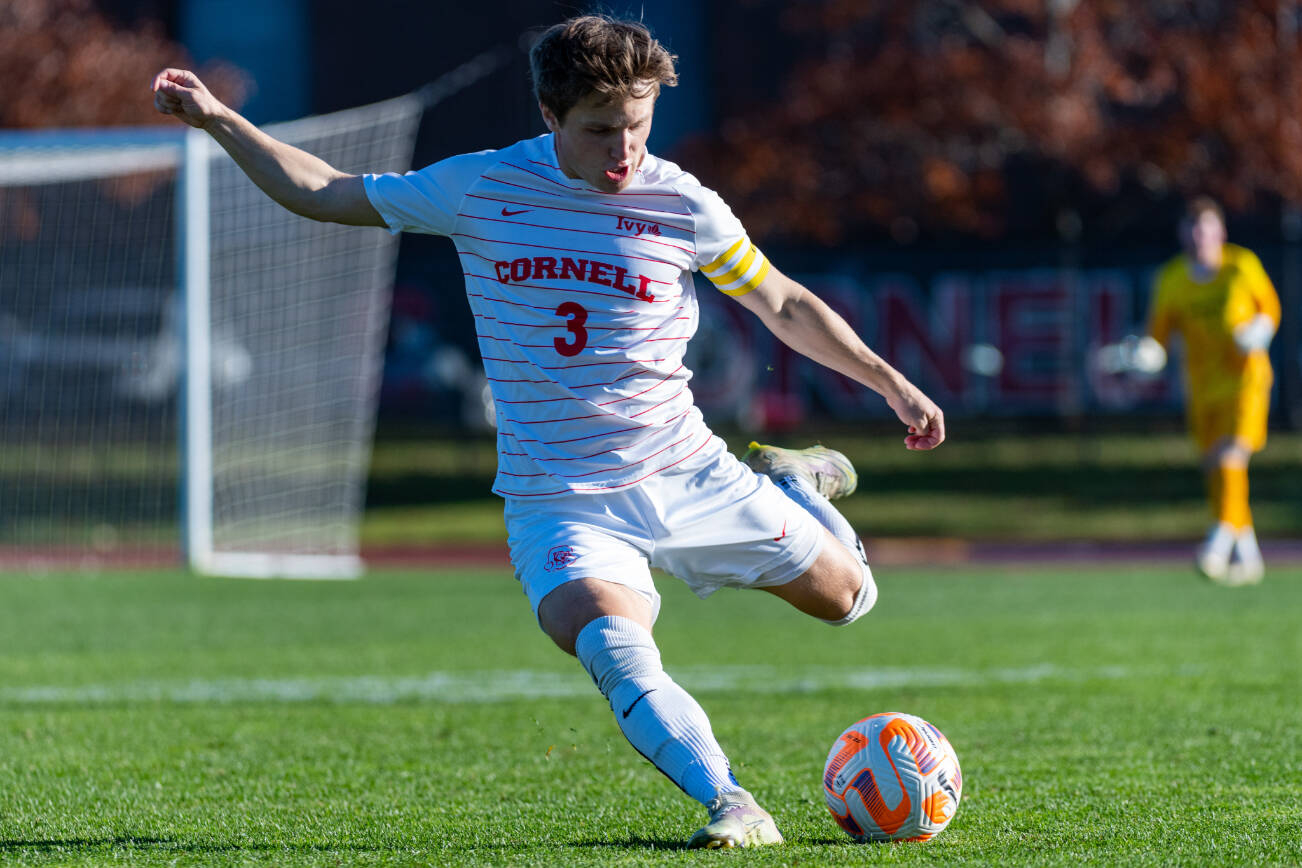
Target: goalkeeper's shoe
{"type": "Point", "coordinates": [1246, 566]}
{"type": "Point", "coordinates": [1244, 573]}
{"type": "Point", "coordinates": [735, 821]}
{"type": "Point", "coordinates": [1212, 564]}
{"type": "Point", "coordinates": [830, 472]}
{"type": "Point", "coordinates": [1212, 557]}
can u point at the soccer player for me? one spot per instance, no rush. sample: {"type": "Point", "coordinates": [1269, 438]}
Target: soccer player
{"type": "Point", "coordinates": [1218, 297]}
{"type": "Point", "coordinates": [578, 248]}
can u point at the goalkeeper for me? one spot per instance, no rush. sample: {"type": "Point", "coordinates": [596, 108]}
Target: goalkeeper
{"type": "Point", "coordinates": [1218, 297]}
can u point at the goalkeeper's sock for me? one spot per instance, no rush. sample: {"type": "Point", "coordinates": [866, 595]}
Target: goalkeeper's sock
{"type": "Point", "coordinates": [1219, 541]}
{"type": "Point", "coordinates": [1230, 489]}
{"type": "Point", "coordinates": [660, 719]}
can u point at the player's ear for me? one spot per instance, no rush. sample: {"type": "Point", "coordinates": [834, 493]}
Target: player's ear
{"type": "Point", "coordinates": [549, 118]}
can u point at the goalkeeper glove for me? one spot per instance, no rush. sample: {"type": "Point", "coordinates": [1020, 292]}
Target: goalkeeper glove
{"type": "Point", "coordinates": [1255, 334]}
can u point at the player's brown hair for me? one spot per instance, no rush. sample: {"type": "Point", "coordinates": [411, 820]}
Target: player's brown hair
{"type": "Point", "coordinates": [598, 54]}
{"type": "Point", "coordinates": [1200, 205]}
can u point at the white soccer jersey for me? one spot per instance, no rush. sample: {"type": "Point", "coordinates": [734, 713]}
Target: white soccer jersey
{"type": "Point", "coordinates": [583, 304]}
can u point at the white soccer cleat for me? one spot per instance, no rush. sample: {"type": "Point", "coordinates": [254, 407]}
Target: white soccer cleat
{"type": "Point", "coordinates": [1244, 573]}
{"type": "Point", "coordinates": [1246, 566]}
{"type": "Point", "coordinates": [1212, 558]}
{"type": "Point", "coordinates": [1213, 565]}
{"type": "Point", "coordinates": [735, 821]}
{"type": "Point", "coordinates": [830, 472]}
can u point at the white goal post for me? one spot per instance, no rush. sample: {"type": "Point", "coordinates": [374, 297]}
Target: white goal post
{"type": "Point", "coordinates": [158, 311]}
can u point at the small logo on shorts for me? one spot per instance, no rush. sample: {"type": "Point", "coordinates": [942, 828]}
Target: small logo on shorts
{"type": "Point", "coordinates": [560, 557]}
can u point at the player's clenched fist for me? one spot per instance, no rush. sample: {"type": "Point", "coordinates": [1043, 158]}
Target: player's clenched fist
{"type": "Point", "coordinates": [180, 93]}
{"type": "Point", "coordinates": [925, 421]}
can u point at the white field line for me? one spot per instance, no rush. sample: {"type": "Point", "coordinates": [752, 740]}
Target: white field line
{"type": "Point", "coordinates": [505, 685]}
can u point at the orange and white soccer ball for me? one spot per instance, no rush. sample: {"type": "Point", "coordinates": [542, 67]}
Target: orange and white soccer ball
{"type": "Point", "coordinates": [892, 777]}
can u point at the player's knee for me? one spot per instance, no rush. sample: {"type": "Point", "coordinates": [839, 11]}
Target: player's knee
{"type": "Point", "coordinates": [837, 587]}
{"type": "Point", "coordinates": [853, 605]}
{"type": "Point", "coordinates": [616, 650]}
{"type": "Point", "coordinates": [569, 608]}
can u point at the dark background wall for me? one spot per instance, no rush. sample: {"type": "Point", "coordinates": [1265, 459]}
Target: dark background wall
{"type": "Point", "coordinates": [755, 70]}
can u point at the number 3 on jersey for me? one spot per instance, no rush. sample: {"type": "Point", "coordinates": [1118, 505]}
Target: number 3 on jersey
{"type": "Point", "coordinates": [577, 316]}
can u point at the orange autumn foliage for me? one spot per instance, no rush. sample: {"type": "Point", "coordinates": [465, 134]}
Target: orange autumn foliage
{"type": "Point", "coordinates": [979, 120]}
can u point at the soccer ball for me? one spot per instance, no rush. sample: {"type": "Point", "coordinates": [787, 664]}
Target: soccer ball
{"type": "Point", "coordinates": [892, 777]}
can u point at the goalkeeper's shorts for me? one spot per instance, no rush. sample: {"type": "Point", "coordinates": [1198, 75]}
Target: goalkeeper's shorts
{"type": "Point", "coordinates": [1240, 414]}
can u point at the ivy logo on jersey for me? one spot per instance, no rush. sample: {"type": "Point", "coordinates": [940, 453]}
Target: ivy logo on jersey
{"type": "Point", "coordinates": [637, 227]}
{"type": "Point", "coordinates": [560, 557]}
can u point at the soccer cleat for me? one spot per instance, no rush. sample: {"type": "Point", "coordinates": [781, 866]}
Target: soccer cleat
{"type": "Point", "coordinates": [830, 472]}
{"type": "Point", "coordinates": [1244, 573]}
{"type": "Point", "coordinates": [735, 821]}
{"type": "Point", "coordinates": [1213, 565]}
{"type": "Point", "coordinates": [1246, 566]}
{"type": "Point", "coordinates": [1212, 558]}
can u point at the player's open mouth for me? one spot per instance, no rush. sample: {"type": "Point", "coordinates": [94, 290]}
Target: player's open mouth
{"type": "Point", "coordinates": [617, 174]}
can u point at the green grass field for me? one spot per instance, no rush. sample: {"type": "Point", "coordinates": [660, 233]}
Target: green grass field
{"type": "Point", "coordinates": [1102, 716]}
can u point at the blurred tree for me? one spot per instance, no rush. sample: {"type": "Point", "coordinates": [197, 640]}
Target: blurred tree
{"type": "Point", "coordinates": [63, 63]}
{"type": "Point", "coordinates": [1008, 118]}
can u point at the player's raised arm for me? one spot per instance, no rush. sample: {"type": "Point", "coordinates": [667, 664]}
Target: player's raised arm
{"type": "Point", "coordinates": [804, 322]}
{"type": "Point", "coordinates": [301, 182]}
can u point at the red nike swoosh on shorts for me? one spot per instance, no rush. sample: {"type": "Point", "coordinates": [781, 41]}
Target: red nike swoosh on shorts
{"type": "Point", "coordinates": [506, 213]}
{"type": "Point", "coordinates": [784, 532]}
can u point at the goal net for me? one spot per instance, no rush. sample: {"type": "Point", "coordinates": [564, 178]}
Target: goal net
{"type": "Point", "coordinates": [87, 263]}
{"type": "Point", "coordinates": [175, 348]}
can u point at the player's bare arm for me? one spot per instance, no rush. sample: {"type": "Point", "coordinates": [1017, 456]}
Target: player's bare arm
{"type": "Point", "coordinates": [804, 322]}
{"type": "Point", "coordinates": [301, 182]}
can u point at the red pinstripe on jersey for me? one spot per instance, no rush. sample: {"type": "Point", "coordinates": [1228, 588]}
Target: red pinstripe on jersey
{"type": "Point", "coordinates": [469, 237]}
{"type": "Point", "coordinates": [516, 201]}
{"type": "Point", "coordinates": [583, 231]}
{"type": "Point", "coordinates": [571, 190]}
{"type": "Point", "coordinates": [500, 489]}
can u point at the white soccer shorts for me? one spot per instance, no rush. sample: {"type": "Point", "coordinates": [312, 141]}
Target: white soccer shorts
{"type": "Point", "coordinates": [711, 521]}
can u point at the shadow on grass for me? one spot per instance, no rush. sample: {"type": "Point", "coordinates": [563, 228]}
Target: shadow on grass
{"type": "Point", "coordinates": [173, 845]}
{"type": "Point", "coordinates": [660, 844]}
{"type": "Point", "coordinates": [635, 842]}
{"type": "Point", "coordinates": [60, 843]}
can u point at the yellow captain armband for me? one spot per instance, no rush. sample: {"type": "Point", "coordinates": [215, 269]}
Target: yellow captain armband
{"type": "Point", "coordinates": [739, 270]}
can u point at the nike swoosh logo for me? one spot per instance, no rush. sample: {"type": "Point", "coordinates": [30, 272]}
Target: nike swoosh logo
{"type": "Point", "coordinates": [635, 702]}
{"type": "Point", "coordinates": [784, 532]}
{"type": "Point", "coordinates": [506, 213]}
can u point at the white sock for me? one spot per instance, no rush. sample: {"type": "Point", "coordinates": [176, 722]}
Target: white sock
{"type": "Point", "coordinates": [1245, 545]}
{"type": "Point", "coordinates": [804, 493]}
{"type": "Point", "coordinates": [1220, 541]}
{"type": "Point", "coordinates": [659, 718]}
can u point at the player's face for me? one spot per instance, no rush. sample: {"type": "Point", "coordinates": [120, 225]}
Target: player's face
{"type": "Point", "coordinates": [1205, 238]}
{"type": "Point", "coordinates": [603, 141]}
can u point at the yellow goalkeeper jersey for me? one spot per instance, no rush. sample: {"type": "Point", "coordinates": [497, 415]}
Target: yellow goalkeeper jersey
{"type": "Point", "coordinates": [1205, 313]}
